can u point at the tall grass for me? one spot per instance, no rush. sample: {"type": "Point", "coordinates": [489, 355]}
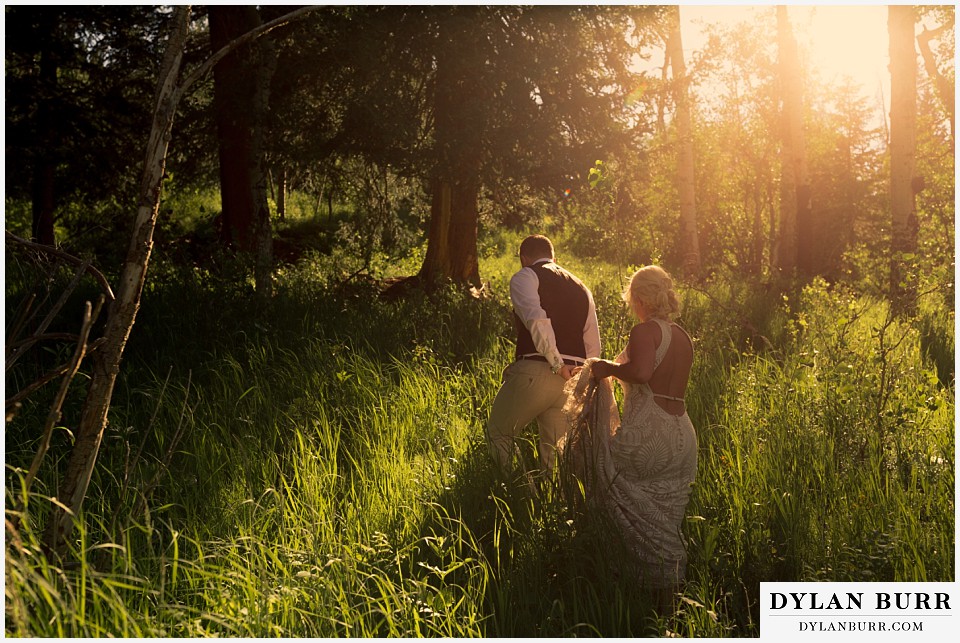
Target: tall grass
{"type": "Point", "coordinates": [316, 467]}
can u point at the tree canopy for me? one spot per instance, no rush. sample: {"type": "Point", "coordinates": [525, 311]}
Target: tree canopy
{"type": "Point", "coordinates": [476, 117]}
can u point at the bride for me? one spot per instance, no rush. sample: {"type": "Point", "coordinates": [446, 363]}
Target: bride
{"type": "Point", "coordinates": [640, 468]}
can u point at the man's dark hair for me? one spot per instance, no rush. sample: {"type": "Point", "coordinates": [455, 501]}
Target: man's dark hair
{"type": "Point", "coordinates": [536, 246]}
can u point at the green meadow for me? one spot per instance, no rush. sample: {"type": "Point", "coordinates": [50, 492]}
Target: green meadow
{"type": "Point", "coordinates": [315, 466]}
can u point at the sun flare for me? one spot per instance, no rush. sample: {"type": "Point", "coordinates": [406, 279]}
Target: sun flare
{"type": "Point", "coordinates": [845, 41]}
{"type": "Point", "coordinates": [838, 41]}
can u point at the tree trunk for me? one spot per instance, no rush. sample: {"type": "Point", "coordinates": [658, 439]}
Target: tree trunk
{"type": "Point", "coordinates": [465, 263]}
{"type": "Point", "coordinates": [945, 86]}
{"type": "Point", "coordinates": [233, 90]}
{"type": "Point", "coordinates": [241, 98]}
{"type": "Point", "coordinates": [773, 234]}
{"type": "Point", "coordinates": [436, 263]}
{"type": "Point", "coordinates": [454, 215]}
{"type": "Point", "coordinates": [903, 126]}
{"type": "Point", "coordinates": [44, 170]}
{"type": "Point", "coordinates": [44, 174]}
{"type": "Point", "coordinates": [235, 86]}
{"type": "Point", "coordinates": [282, 193]}
{"type": "Point", "coordinates": [123, 310]}
{"type": "Point", "coordinates": [265, 64]}
{"type": "Point", "coordinates": [661, 97]}
{"type": "Point", "coordinates": [452, 238]}
{"type": "Point", "coordinates": [686, 169]}
{"type": "Point", "coordinates": [794, 190]}
{"type": "Point", "coordinates": [807, 232]}
{"type": "Point", "coordinates": [758, 238]}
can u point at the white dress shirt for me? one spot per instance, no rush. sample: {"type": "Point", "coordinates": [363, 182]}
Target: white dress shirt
{"type": "Point", "coordinates": [524, 293]}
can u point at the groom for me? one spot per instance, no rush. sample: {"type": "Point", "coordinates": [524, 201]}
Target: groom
{"type": "Point", "coordinates": [557, 330]}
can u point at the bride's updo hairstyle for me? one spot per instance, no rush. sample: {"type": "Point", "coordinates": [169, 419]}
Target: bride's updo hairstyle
{"type": "Point", "coordinates": [653, 287]}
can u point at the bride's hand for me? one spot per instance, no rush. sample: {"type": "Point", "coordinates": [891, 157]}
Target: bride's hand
{"type": "Point", "coordinates": [602, 369]}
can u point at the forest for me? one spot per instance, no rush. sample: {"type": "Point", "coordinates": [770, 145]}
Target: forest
{"type": "Point", "coordinates": [257, 308]}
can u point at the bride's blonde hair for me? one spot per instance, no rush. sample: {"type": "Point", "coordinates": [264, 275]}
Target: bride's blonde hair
{"type": "Point", "coordinates": [653, 287]}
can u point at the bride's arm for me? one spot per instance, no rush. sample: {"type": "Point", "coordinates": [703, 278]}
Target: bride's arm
{"type": "Point", "coordinates": [641, 350]}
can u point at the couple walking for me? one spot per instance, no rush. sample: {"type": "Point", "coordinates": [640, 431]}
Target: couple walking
{"type": "Point", "coordinates": [642, 465]}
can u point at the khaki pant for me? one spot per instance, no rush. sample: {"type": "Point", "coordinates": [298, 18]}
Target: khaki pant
{"type": "Point", "coordinates": [529, 391]}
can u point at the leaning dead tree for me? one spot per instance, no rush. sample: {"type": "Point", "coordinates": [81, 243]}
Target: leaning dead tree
{"type": "Point", "coordinates": [172, 85]}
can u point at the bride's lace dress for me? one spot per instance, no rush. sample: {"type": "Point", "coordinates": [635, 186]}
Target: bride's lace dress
{"type": "Point", "coordinates": [639, 469]}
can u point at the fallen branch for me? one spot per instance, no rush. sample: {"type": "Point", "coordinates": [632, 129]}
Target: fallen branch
{"type": "Point", "coordinates": [15, 352]}
{"type": "Point", "coordinates": [56, 408]}
{"type": "Point", "coordinates": [40, 382]}
{"type": "Point", "coordinates": [104, 284]}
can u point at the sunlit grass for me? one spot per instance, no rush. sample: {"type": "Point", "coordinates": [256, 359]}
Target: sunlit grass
{"type": "Point", "coordinates": [331, 477]}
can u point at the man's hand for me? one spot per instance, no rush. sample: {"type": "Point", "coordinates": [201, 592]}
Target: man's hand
{"type": "Point", "coordinates": [566, 372]}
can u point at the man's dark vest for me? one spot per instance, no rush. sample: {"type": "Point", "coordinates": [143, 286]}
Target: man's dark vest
{"type": "Point", "coordinates": [564, 298]}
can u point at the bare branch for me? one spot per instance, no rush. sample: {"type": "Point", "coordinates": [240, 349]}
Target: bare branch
{"type": "Point", "coordinates": [16, 351]}
{"type": "Point", "coordinates": [45, 379]}
{"type": "Point", "coordinates": [104, 284]}
{"type": "Point", "coordinates": [55, 410]}
{"type": "Point", "coordinates": [25, 314]}
{"type": "Point", "coordinates": [246, 38]}
{"type": "Point", "coordinates": [70, 337]}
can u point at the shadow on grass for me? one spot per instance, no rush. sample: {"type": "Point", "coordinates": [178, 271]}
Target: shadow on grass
{"type": "Point", "coordinates": [551, 574]}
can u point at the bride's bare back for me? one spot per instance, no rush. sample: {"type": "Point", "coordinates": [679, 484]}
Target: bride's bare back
{"type": "Point", "coordinates": [668, 381]}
